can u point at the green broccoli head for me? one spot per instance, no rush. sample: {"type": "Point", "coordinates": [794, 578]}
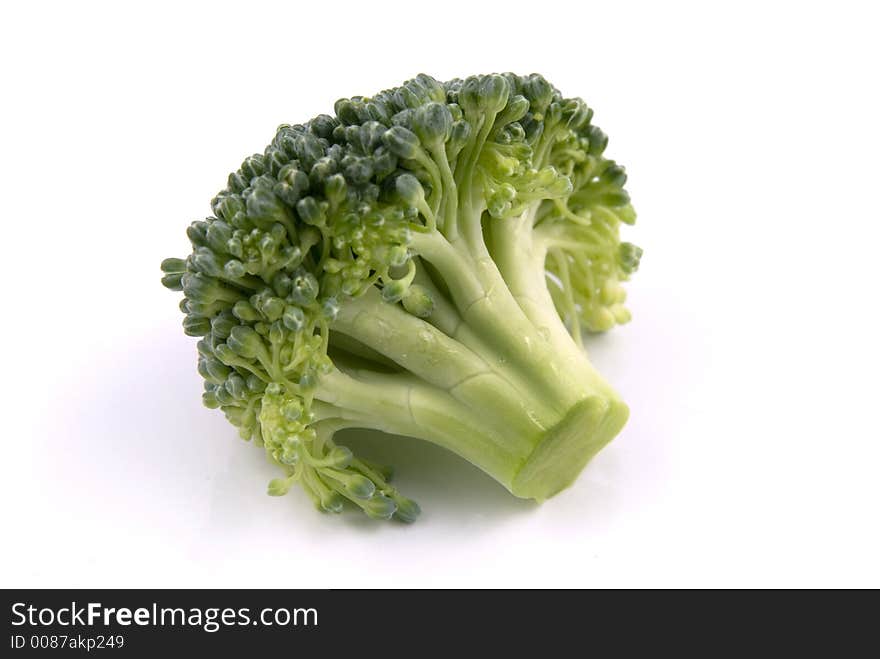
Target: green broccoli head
{"type": "Point", "coordinates": [424, 262]}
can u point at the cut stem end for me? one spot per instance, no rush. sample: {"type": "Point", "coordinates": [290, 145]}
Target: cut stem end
{"type": "Point", "coordinates": [568, 447]}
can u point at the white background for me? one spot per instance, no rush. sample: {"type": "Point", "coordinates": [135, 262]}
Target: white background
{"type": "Point", "coordinates": [750, 133]}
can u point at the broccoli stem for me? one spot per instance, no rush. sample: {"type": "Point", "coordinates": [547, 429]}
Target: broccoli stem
{"type": "Point", "coordinates": [521, 260]}
{"type": "Point", "coordinates": [440, 360]}
{"type": "Point", "coordinates": [488, 307]}
{"type": "Point", "coordinates": [403, 405]}
{"type": "Point", "coordinates": [530, 461]}
{"type": "Point", "coordinates": [531, 421]}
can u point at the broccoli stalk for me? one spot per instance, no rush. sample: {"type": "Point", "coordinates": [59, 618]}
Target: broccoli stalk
{"type": "Point", "coordinates": [423, 263]}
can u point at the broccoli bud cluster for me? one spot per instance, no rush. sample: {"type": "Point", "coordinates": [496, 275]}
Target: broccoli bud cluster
{"type": "Point", "coordinates": [395, 204]}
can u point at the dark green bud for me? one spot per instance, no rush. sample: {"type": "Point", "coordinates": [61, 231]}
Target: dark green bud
{"type": "Point", "coordinates": [292, 185]}
{"type": "Point", "coordinates": [281, 284]}
{"type": "Point", "coordinates": [516, 109]}
{"type": "Point", "coordinates": [285, 139]}
{"type": "Point", "coordinates": [233, 414]}
{"type": "Point", "coordinates": [209, 400]}
{"type": "Point", "coordinates": [200, 287]}
{"type": "Point", "coordinates": [369, 136]}
{"type": "Point", "coordinates": [202, 368]}
{"type": "Point", "coordinates": [461, 133]}
{"type": "Point", "coordinates": [237, 183]}
{"type": "Point", "coordinates": [308, 150]}
{"type": "Point", "coordinates": [255, 384]}
{"type": "Point", "coordinates": [304, 289]}
{"type": "Point", "coordinates": [227, 206]}
{"type": "Point", "coordinates": [576, 113]}
{"type": "Point", "coordinates": [384, 162]}
{"type": "Point", "coordinates": [206, 309]}
{"type": "Point", "coordinates": [403, 118]}
{"type": "Point", "coordinates": [358, 170]}
{"type": "Point", "coordinates": [222, 325]}
{"type": "Point", "coordinates": [196, 325]}
{"type": "Point", "coordinates": [274, 160]}
{"type": "Point", "coordinates": [554, 114]}
{"type": "Point", "coordinates": [235, 385]}
{"type": "Point", "coordinates": [244, 341]}
{"type": "Point", "coordinates": [378, 112]}
{"type": "Point", "coordinates": [359, 486]}
{"type": "Point", "coordinates": [310, 211]}
{"type": "Point", "coordinates": [322, 170]}
{"type": "Point", "coordinates": [276, 332]}
{"type": "Point", "coordinates": [252, 167]}
{"type": "Point", "coordinates": [513, 132]}
{"type": "Point", "coordinates": [379, 507]}
{"type": "Point", "coordinates": [293, 318]}
{"type": "Point", "coordinates": [409, 189]}
{"type": "Point", "coordinates": [278, 232]}
{"type": "Point", "coordinates": [225, 354]}
{"type": "Point", "coordinates": [407, 510]}
{"type": "Point", "coordinates": [432, 123]}
{"type": "Point", "coordinates": [346, 111]}
{"type": "Point", "coordinates": [196, 232]}
{"type": "Point", "coordinates": [234, 247]}
{"type": "Point", "coordinates": [598, 141]}
{"type": "Point", "coordinates": [173, 266]}
{"type": "Point", "coordinates": [206, 261]}
{"type": "Point", "coordinates": [172, 282]}
{"type": "Point", "coordinates": [539, 92]}
{"type": "Point", "coordinates": [267, 244]}
{"type": "Point", "coordinates": [217, 370]}
{"type": "Point", "coordinates": [401, 142]}
{"type": "Point", "coordinates": [245, 312]}
{"type": "Point", "coordinates": [323, 125]}
{"type": "Point", "coordinates": [335, 189]}
{"type": "Point", "coordinates": [614, 175]}
{"type": "Point", "coordinates": [291, 256]}
{"type": "Point", "coordinates": [261, 328]}
{"type": "Point", "coordinates": [273, 308]}
{"type": "Point", "coordinates": [263, 206]}
{"type": "Point", "coordinates": [234, 269]}
{"type": "Point", "coordinates": [407, 98]}
{"type": "Point", "coordinates": [339, 134]}
{"type": "Point", "coordinates": [433, 89]}
{"type": "Point", "coordinates": [484, 94]}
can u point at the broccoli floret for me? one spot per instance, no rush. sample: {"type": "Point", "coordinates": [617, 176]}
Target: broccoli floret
{"type": "Point", "coordinates": [424, 263]}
